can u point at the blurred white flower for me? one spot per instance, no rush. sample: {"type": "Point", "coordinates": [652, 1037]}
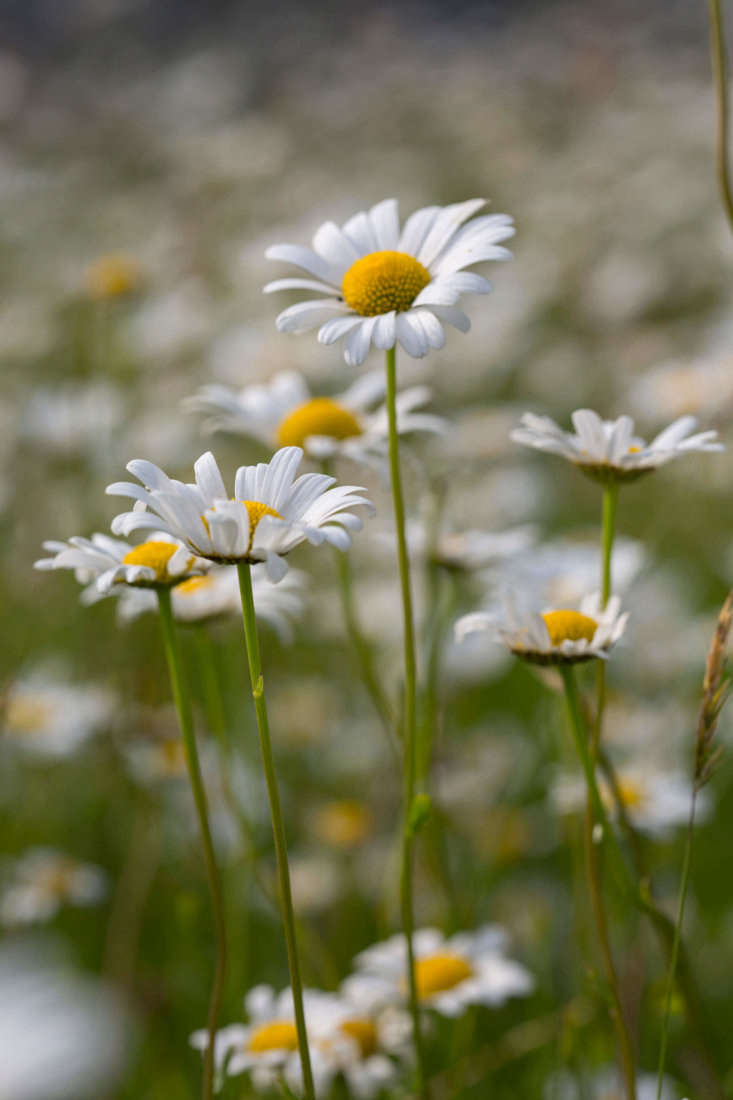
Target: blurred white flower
{"type": "Point", "coordinates": [72, 420]}
{"type": "Point", "coordinates": [605, 1084]}
{"type": "Point", "coordinates": [43, 880]}
{"type": "Point", "coordinates": [47, 716]}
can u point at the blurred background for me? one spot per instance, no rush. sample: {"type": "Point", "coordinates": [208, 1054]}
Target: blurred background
{"type": "Point", "coordinates": [149, 153]}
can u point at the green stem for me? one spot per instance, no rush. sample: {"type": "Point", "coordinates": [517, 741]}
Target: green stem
{"type": "Point", "coordinates": [676, 945]}
{"type": "Point", "coordinates": [608, 531]}
{"type": "Point", "coordinates": [185, 719]}
{"type": "Point", "coordinates": [213, 698]}
{"type": "Point", "coordinates": [278, 827]}
{"type": "Point", "coordinates": [720, 77]}
{"type": "Point", "coordinates": [410, 716]}
{"type": "Point", "coordinates": [595, 804]}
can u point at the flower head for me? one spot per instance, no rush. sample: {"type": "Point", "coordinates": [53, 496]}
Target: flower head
{"type": "Point", "coordinates": [608, 450]}
{"type": "Point", "coordinates": [384, 286]}
{"type": "Point", "coordinates": [103, 563]}
{"type": "Point", "coordinates": [468, 968]}
{"type": "Point", "coordinates": [43, 880]}
{"type": "Point", "coordinates": [44, 714]}
{"type": "Point", "coordinates": [285, 413]}
{"type": "Point", "coordinates": [113, 276]}
{"type": "Point", "coordinates": [555, 637]}
{"type": "Point", "coordinates": [270, 513]}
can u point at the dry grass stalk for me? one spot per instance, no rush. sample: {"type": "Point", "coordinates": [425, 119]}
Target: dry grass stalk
{"type": "Point", "coordinates": [715, 694]}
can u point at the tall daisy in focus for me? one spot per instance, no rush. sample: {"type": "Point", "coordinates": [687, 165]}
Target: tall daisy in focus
{"type": "Point", "coordinates": [270, 513]}
{"type": "Point", "coordinates": [384, 285]}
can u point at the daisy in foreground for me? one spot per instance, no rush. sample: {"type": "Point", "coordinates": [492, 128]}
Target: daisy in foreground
{"type": "Point", "coordinates": [270, 513]}
{"type": "Point", "coordinates": [381, 285]}
{"type": "Point", "coordinates": [560, 637]}
{"type": "Point", "coordinates": [466, 969]}
{"type": "Point", "coordinates": [608, 450]}
{"type": "Point", "coordinates": [284, 413]}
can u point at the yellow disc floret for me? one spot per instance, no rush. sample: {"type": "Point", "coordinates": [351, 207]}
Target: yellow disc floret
{"type": "Point", "coordinates": [155, 555]}
{"type": "Point", "coordinates": [343, 824]}
{"type": "Point", "coordinates": [321, 416]}
{"type": "Point", "coordinates": [277, 1035]}
{"type": "Point", "coordinates": [193, 584]}
{"type": "Point", "coordinates": [383, 281]}
{"type": "Point", "coordinates": [436, 973]}
{"type": "Point", "coordinates": [256, 510]}
{"type": "Point", "coordinates": [569, 626]}
{"type": "Point", "coordinates": [631, 793]}
{"type": "Point", "coordinates": [364, 1032]}
{"type": "Point", "coordinates": [26, 715]}
{"type": "Point", "coordinates": [113, 277]}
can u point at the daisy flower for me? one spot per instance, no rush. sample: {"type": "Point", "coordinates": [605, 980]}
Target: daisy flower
{"type": "Point", "coordinates": [267, 1047]}
{"type": "Point", "coordinates": [383, 286]}
{"type": "Point", "coordinates": [605, 1084]}
{"type": "Point", "coordinates": [451, 974]}
{"type": "Point", "coordinates": [44, 880]}
{"type": "Point", "coordinates": [558, 637]}
{"type": "Point", "coordinates": [216, 595]}
{"type": "Point", "coordinates": [47, 716]}
{"type": "Point", "coordinates": [607, 450]}
{"type": "Point", "coordinates": [101, 563]}
{"type": "Point", "coordinates": [285, 413]}
{"type": "Point", "coordinates": [269, 514]}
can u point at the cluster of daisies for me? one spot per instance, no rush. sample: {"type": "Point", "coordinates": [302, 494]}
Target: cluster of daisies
{"type": "Point", "coordinates": [362, 1033]}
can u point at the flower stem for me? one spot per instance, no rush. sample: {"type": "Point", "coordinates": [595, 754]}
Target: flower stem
{"type": "Point", "coordinates": [278, 827]}
{"type": "Point", "coordinates": [185, 719]}
{"type": "Point", "coordinates": [596, 805]}
{"type": "Point", "coordinates": [410, 717]}
{"type": "Point", "coordinates": [674, 955]}
{"type": "Point", "coordinates": [608, 532]}
{"type": "Point", "coordinates": [720, 76]}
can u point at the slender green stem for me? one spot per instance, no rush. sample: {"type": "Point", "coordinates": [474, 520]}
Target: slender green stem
{"type": "Point", "coordinates": [213, 697]}
{"type": "Point", "coordinates": [581, 741]}
{"type": "Point", "coordinates": [720, 77]}
{"type": "Point", "coordinates": [362, 649]}
{"type": "Point", "coordinates": [278, 827]}
{"type": "Point", "coordinates": [410, 716]}
{"type": "Point", "coordinates": [676, 945]}
{"type": "Point", "coordinates": [608, 532]}
{"type": "Point", "coordinates": [185, 719]}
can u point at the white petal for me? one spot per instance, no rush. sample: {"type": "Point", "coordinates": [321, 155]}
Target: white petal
{"type": "Point", "coordinates": [209, 479]}
{"type": "Point", "coordinates": [445, 226]}
{"type": "Point", "coordinates": [305, 259]}
{"type": "Point", "coordinates": [334, 329]}
{"type": "Point", "coordinates": [417, 227]}
{"type": "Point", "coordinates": [384, 331]}
{"type": "Point", "coordinates": [411, 335]}
{"type": "Point", "coordinates": [330, 242]}
{"type": "Point", "coordinates": [357, 344]}
{"type": "Point", "coordinates": [307, 315]}
{"type": "Point", "coordinates": [385, 223]}
{"type": "Point", "coordinates": [300, 284]}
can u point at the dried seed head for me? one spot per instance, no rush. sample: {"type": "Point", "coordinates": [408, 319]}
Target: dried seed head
{"type": "Point", "coordinates": [715, 693]}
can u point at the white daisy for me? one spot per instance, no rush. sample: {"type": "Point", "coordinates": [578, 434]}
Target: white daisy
{"type": "Point", "coordinates": [383, 286]}
{"type": "Point", "coordinates": [267, 1047]}
{"type": "Point", "coordinates": [43, 880]}
{"type": "Point", "coordinates": [285, 413]}
{"type": "Point", "coordinates": [451, 974]}
{"type": "Point", "coordinates": [45, 715]}
{"type": "Point", "coordinates": [102, 563]}
{"type": "Point", "coordinates": [605, 1084]}
{"type": "Point", "coordinates": [216, 595]}
{"type": "Point", "coordinates": [269, 514]}
{"type": "Point", "coordinates": [554, 637]}
{"type": "Point", "coordinates": [608, 450]}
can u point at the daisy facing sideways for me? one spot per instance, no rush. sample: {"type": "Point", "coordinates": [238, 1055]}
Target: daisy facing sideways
{"type": "Point", "coordinates": [558, 637]}
{"type": "Point", "coordinates": [270, 513]}
{"type": "Point", "coordinates": [608, 450]}
{"type": "Point", "coordinates": [284, 413]}
{"type": "Point", "coordinates": [451, 974]}
{"type": "Point", "coordinates": [383, 285]}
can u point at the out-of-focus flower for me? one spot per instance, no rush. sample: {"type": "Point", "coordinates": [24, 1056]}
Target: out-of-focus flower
{"type": "Point", "coordinates": [103, 563]}
{"type": "Point", "coordinates": [46, 716]}
{"type": "Point", "coordinates": [44, 880]}
{"type": "Point", "coordinates": [269, 515]}
{"type": "Point", "coordinates": [608, 450]}
{"type": "Point", "coordinates": [605, 1084]}
{"type": "Point", "coordinates": [285, 413]}
{"type": "Point", "coordinates": [71, 420]}
{"type": "Point", "coordinates": [384, 286]}
{"type": "Point", "coordinates": [451, 974]}
{"type": "Point", "coordinates": [342, 824]}
{"type": "Point", "coordinates": [114, 276]}
{"type": "Point", "coordinates": [700, 388]}
{"type": "Point", "coordinates": [62, 1037]}
{"type": "Point", "coordinates": [216, 594]}
{"type": "Point", "coordinates": [553, 637]}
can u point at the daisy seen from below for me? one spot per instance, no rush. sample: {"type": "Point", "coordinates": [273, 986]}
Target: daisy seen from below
{"type": "Point", "coordinates": [42, 881]}
{"type": "Point", "coordinates": [452, 974]}
{"type": "Point", "coordinates": [555, 637]}
{"type": "Point", "coordinates": [383, 285]}
{"type": "Point", "coordinates": [270, 513]}
{"type": "Point", "coordinates": [284, 412]}
{"type": "Point", "coordinates": [607, 450]}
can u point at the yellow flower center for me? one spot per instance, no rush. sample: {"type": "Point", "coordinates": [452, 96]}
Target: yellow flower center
{"type": "Point", "coordinates": [343, 824]}
{"type": "Point", "coordinates": [631, 793]}
{"type": "Point", "coordinates": [24, 715]}
{"type": "Point", "coordinates": [277, 1035]}
{"type": "Point", "coordinates": [172, 756]}
{"type": "Point", "coordinates": [321, 416]}
{"type": "Point", "coordinates": [436, 973]}
{"type": "Point", "coordinates": [383, 281]}
{"type": "Point", "coordinates": [113, 277]}
{"type": "Point", "coordinates": [56, 880]}
{"type": "Point", "coordinates": [634, 450]}
{"type": "Point", "coordinates": [193, 584]}
{"type": "Point", "coordinates": [255, 510]}
{"type": "Point", "coordinates": [155, 555]}
{"type": "Point", "coordinates": [363, 1030]}
{"type": "Point", "coordinates": [569, 626]}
